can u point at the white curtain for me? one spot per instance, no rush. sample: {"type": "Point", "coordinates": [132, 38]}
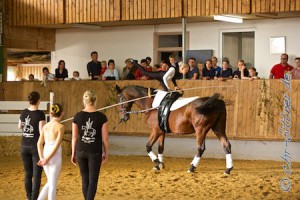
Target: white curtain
{"type": "Point", "coordinates": [248, 49]}
{"type": "Point", "coordinates": [231, 48]}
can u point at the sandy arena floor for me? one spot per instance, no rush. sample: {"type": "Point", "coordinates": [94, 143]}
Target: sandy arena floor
{"type": "Point", "coordinates": [132, 178]}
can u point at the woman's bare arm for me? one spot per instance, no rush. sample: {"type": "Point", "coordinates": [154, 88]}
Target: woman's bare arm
{"type": "Point", "coordinates": [41, 125]}
{"type": "Point", "coordinates": [74, 142]}
{"type": "Point", "coordinates": [105, 142]}
{"type": "Point", "coordinates": [20, 124]}
{"type": "Point", "coordinates": [40, 144]}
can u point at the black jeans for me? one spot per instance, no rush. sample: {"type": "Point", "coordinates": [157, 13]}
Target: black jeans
{"type": "Point", "coordinates": [89, 164]}
{"type": "Point", "coordinates": [30, 159]}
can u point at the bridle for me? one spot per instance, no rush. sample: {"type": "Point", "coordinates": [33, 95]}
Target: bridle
{"type": "Point", "coordinates": [125, 108]}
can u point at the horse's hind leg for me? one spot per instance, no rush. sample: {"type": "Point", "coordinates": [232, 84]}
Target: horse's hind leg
{"type": "Point", "coordinates": [161, 146]}
{"type": "Point", "coordinates": [219, 130]}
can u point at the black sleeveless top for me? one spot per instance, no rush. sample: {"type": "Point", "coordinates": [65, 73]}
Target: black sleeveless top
{"type": "Point", "coordinates": [30, 123]}
{"type": "Point", "coordinates": [90, 131]}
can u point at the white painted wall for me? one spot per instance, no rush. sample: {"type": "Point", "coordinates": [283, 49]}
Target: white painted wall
{"type": "Point", "coordinates": [74, 45]}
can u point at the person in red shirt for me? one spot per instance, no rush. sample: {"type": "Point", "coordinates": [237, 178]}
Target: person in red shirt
{"type": "Point", "coordinates": [138, 73]}
{"type": "Point", "coordinates": [278, 70]}
{"type": "Point", "coordinates": [103, 67]}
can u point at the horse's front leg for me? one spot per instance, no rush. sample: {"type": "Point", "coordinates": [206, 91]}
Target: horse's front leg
{"type": "Point", "coordinates": [161, 146]}
{"type": "Point", "coordinates": [152, 139]}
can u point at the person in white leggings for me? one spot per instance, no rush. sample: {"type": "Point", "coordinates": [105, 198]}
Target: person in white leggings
{"type": "Point", "coordinates": [51, 153]}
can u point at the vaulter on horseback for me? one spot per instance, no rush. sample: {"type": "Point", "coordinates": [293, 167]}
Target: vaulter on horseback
{"type": "Point", "coordinates": [173, 73]}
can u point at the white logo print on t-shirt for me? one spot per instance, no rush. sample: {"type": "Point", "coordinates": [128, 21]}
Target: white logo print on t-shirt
{"type": "Point", "coordinates": [89, 132]}
{"type": "Point", "coordinates": [27, 128]}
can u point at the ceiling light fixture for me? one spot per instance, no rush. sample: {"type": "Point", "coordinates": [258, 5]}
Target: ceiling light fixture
{"type": "Point", "coordinates": [228, 19]}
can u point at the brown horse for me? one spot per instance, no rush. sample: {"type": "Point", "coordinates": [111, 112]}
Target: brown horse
{"type": "Point", "coordinates": [198, 117]}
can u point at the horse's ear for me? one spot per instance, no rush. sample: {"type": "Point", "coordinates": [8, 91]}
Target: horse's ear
{"type": "Point", "coordinates": [118, 89]}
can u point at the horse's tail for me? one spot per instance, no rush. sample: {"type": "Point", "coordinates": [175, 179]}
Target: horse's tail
{"type": "Point", "coordinates": [214, 103]}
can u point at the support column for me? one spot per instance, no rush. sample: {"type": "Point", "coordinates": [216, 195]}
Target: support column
{"type": "Point", "coordinates": [184, 39]}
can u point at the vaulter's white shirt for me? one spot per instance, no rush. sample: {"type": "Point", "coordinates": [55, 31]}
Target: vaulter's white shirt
{"type": "Point", "coordinates": [168, 76]}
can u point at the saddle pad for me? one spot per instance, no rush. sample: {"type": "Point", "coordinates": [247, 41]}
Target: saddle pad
{"type": "Point", "coordinates": [158, 98]}
{"type": "Point", "coordinates": [182, 102]}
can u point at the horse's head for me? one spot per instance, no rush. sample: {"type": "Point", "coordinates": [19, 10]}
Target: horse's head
{"type": "Point", "coordinates": [125, 107]}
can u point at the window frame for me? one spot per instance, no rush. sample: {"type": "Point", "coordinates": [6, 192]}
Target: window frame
{"type": "Point", "coordinates": [157, 50]}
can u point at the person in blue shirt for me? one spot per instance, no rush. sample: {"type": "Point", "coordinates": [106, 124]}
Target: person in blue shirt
{"type": "Point", "coordinates": [214, 61]}
{"type": "Point", "coordinates": [226, 71]}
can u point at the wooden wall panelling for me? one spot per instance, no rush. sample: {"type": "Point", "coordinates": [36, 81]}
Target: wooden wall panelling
{"type": "Point", "coordinates": [274, 6]}
{"type": "Point", "coordinates": [156, 9]}
{"type": "Point", "coordinates": [253, 111]}
{"type": "Point", "coordinates": [117, 10]}
{"type": "Point", "coordinates": [193, 8]}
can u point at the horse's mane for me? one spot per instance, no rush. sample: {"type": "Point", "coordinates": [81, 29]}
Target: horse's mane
{"type": "Point", "coordinates": [140, 89]}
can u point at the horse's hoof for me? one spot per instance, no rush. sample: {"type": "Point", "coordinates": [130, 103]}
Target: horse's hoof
{"type": "Point", "coordinates": [227, 171]}
{"type": "Point", "coordinates": [161, 165]}
{"type": "Point", "coordinates": [192, 169]}
{"type": "Point", "coordinates": [156, 168]}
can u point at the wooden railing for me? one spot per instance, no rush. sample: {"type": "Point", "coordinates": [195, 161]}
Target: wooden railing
{"type": "Point", "coordinates": [253, 107]}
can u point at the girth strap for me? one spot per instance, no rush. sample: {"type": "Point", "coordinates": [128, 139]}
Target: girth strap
{"type": "Point", "coordinates": [164, 110]}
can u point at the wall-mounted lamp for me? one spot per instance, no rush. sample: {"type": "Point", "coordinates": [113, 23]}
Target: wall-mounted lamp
{"type": "Point", "coordinates": [228, 19]}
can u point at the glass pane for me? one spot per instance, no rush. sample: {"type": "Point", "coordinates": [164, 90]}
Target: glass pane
{"type": "Point", "coordinates": [170, 40]}
{"type": "Point", "coordinates": [165, 56]}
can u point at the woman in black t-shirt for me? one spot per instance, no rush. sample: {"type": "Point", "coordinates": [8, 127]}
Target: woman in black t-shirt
{"type": "Point", "coordinates": [31, 122]}
{"type": "Point", "coordinates": [61, 72]}
{"type": "Point", "coordinates": [89, 132]}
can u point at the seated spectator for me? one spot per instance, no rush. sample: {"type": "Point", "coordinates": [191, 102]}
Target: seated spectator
{"type": "Point", "coordinates": [128, 71]}
{"type": "Point", "coordinates": [94, 67]}
{"type": "Point", "coordinates": [214, 61]}
{"type": "Point", "coordinates": [157, 67]}
{"type": "Point", "coordinates": [139, 75]}
{"type": "Point", "coordinates": [201, 68]}
{"type": "Point", "coordinates": [31, 77]}
{"type": "Point", "coordinates": [76, 76]}
{"type": "Point", "coordinates": [149, 60]}
{"type": "Point", "coordinates": [252, 75]}
{"type": "Point", "coordinates": [237, 73]}
{"type": "Point", "coordinates": [61, 72]}
{"type": "Point", "coordinates": [47, 75]}
{"type": "Point", "coordinates": [111, 73]}
{"type": "Point", "coordinates": [163, 66]}
{"type": "Point", "coordinates": [175, 64]}
{"type": "Point", "coordinates": [208, 71]}
{"type": "Point", "coordinates": [277, 72]}
{"type": "Point", "coordinates": [103, 67]}
{"type": "Point", "coordinates": [225, 73]}
{"type": "Point", "coordinates": [296, 71]}
{"type": "Point", "coordinates": [193, 69]}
